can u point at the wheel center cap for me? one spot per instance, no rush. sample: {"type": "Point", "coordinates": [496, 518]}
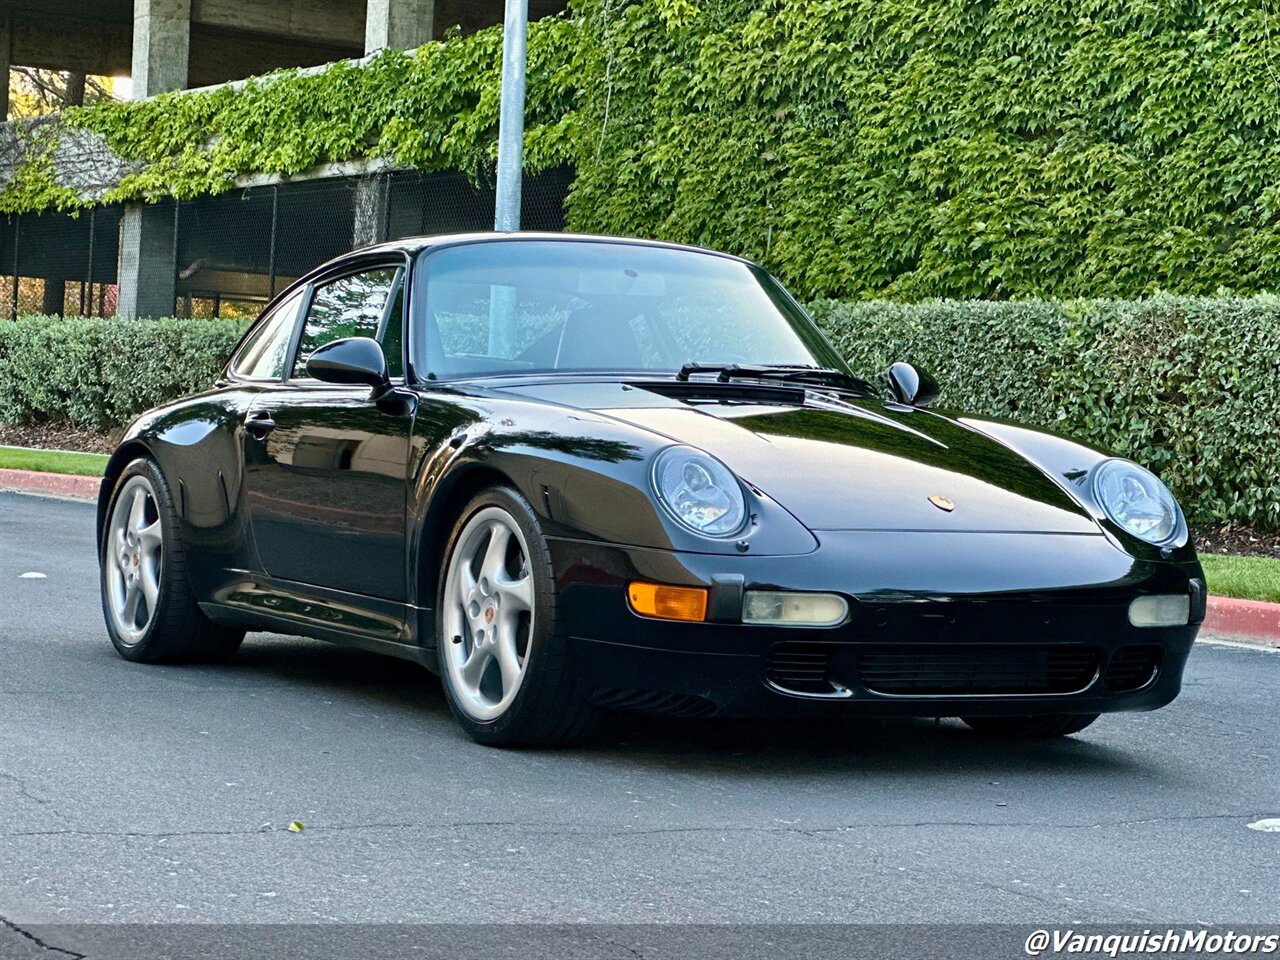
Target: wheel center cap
{"type": "Point", "coordinates": [488, 612]}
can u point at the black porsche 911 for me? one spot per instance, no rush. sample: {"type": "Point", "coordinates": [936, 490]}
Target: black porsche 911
{"type": "Point", "coordinates": [574, 474]}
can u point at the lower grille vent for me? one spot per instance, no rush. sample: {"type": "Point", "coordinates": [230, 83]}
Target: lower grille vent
{"type": "Point", "coordinates": [976, 669]}
{"type": "Point", "coordinates": [1132, 668]}
{"type": "Point", "coordinates": [801, 667]}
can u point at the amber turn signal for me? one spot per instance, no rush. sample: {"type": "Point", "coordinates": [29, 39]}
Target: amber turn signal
{"type": "Point", "coordinates": [668, 603]}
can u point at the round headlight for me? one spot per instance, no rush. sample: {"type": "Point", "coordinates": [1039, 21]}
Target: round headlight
{"type": "Point", "coordinates": [1136, 501]}
{"type": "Point", "coordinates": [699, 491]}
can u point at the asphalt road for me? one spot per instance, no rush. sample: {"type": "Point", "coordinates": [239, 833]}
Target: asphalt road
{"type": "Point", "coordinates": [147, 794]}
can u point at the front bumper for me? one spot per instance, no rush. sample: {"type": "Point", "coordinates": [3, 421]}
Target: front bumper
{"type": "Point", "coordinates": [941, 624]}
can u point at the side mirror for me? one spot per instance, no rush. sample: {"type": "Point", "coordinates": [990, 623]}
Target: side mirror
{"type": "Point", "coordinates": [351, 360]}
{"type": "Point", "coordinates": [912, 385]}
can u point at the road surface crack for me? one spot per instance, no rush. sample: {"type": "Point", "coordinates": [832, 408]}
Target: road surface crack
{"type": "Point", "coordinates": [10, 925]}
{"type": "Point", "coordinates": [586, 830]}
{"type": "Point", "coordinates": [21, 786]}
{"type": "Point", "coordinates": [621, 946]}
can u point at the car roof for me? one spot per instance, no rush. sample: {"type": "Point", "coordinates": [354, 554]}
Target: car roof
{"type": "Point", "coordinates": [415, 245]}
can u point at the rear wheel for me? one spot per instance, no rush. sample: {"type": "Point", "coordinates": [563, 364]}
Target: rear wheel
{"type": "Point", "coordinates": [147, 600]}
{"type": "Point", "coordinates": [504, 664]}
{"type": "Point", "coordinates": [1035, 728]}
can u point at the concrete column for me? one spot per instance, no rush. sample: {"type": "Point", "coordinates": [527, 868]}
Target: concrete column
{"type": "Point", "coordinates": [161, 46]}
{"type": "Point", "coordinates": [148, 268]}
{"type": "Point", "coordinates": [398, 24]}
{"type": "Point", "coordinates": [148, 273]}
{"type": "Point", "coordinates": [370, 205]}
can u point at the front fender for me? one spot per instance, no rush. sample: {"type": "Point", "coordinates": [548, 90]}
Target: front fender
{"type": "Point", "coordinates": [1070, 464]}
{"type": "Point", "coordinates": [585, 475]}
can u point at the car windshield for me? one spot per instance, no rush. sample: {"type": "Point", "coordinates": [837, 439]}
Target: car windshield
{"type": "Point", "coordinates": [512, 307]}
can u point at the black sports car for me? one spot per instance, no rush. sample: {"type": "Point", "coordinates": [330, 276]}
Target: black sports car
{"type": "Point", "coordinates": [580, 473]}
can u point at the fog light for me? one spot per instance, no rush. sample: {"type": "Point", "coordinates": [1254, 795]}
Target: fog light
{"type": "Point", "coordinates": [1168, 610]}
{"type": "Point", "coordinates": [793, 609]}
{"type": "Point", "coordinates": [668, 603]}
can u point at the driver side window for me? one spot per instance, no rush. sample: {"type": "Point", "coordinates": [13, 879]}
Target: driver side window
{"type": "Point", "coordinates": [352, 306]}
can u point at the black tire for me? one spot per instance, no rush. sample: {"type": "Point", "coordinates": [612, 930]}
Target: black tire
{"type": "Point", "coordinates": [1031, 728]}
{"type": "Point", "coordinates": [548, 708]}
{"type": "Point", "coordinates": [176, 630]}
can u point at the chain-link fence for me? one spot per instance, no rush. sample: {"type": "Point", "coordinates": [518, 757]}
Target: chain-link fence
{"type": "Point", "coordinates": [231, 253]}
{"type": "Point", "coordinates": [54, 263]}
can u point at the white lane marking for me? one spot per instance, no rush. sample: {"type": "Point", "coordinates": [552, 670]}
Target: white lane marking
{"type": "Point", "coordinates": [32, 575]}
{"type": "Point", "coordinates": [1270, 825]}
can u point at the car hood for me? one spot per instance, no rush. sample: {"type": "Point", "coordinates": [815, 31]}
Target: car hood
{"type": "Point", "coordinates": [852, 465]}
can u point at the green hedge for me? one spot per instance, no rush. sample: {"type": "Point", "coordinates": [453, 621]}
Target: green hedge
{"type": "Point", "coordinates": [1185, 385]}
{"type": "Point", "coordinates": [97, 374]}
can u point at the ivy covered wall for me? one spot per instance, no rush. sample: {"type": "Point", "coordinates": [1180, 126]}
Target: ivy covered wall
{"type": "Point", "coordinates": [432, 110]}
{"type": "Point", "coordinates": [959, 148]}
{"type": "Point", "coordinates": [902, 149]}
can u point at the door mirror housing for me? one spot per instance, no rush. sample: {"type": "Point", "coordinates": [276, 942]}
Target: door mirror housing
{"type": "Point", "coordinates": [357, 360]}
{"type": "Point", "coordinates": [911, 385]}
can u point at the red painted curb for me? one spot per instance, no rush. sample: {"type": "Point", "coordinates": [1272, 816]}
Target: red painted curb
{"type": "Point", "coordinates": [1250, 621]}
{"type": "Point", "coordinates": [57, 484]}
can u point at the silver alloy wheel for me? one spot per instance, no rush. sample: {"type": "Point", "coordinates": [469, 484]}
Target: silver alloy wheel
{"type": "Point", "coordinates": [488, 611]}
{"type": "Point", "coordinates": [132, 557]}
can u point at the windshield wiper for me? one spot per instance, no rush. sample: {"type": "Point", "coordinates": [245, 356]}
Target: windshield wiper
{"type": "Point", "coordinates": [786, 373]}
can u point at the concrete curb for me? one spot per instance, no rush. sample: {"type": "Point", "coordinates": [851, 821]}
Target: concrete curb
{"type": "Point", "coordinates": [53, 484]}
{"type": "Point", "coordinates": [1244, 621]}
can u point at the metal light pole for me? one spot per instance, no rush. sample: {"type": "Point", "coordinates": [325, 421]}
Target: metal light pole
{"type": "Point", "coordinates": [515, 29]}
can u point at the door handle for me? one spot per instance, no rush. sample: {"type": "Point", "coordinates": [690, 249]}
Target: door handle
{"type": "Point", "coordinates": [259, 424]}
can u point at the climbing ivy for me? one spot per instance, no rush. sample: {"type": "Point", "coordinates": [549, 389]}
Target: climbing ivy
{"type": "Point", "coordinates": [34, 185]}
{"type": "Point", "coordinates": [435, 109]}
{"type": "Point", "coordinates": [901, 149]}
{"type": "Point", "coordinates": [963, 148]}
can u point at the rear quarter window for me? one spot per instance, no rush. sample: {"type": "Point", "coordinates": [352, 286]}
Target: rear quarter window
{"type": "Point", "coordinates": [263, 355]}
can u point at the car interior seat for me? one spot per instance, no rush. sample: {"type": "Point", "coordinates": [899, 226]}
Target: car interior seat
{"type": "Point", "coordinates": [596, 336]}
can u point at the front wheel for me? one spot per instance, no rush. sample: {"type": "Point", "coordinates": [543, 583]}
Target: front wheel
{"type": "Point", "coordinates": [147, 600]}
{"type": "Point", "coordinates": [1032, 728]}
{"type": "Point", "coordinates": [504, 664]}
